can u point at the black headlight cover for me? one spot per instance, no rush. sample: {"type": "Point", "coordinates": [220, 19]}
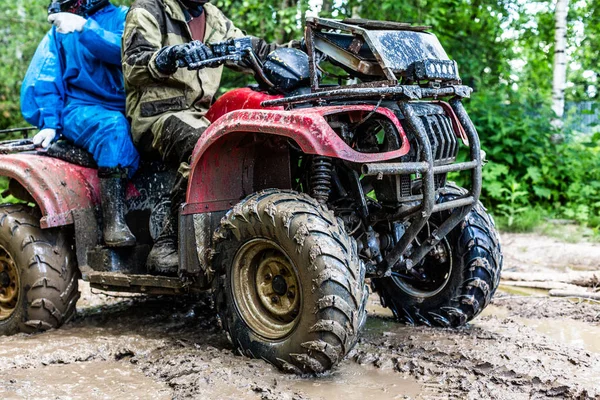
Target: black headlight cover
{"type": "Point", "coordinates": [287, 68]}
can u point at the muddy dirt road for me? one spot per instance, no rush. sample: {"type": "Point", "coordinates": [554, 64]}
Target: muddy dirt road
{"type": "Point", "coordinates": [525, 345]}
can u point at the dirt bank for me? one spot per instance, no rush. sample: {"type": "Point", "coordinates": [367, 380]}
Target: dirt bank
{"type": "Point", "coordinates": [137, 347]}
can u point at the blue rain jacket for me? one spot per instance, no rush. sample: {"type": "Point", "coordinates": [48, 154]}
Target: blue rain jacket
{"type": "Point", "coordinates": [74, 84]}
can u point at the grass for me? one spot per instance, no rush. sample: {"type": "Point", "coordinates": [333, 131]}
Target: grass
{"type": "Point", "coordinates": [526, 221]}
{"type": "Point", "coordinates": [536, 220]}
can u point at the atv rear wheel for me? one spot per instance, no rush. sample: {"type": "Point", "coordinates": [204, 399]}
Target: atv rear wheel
{"type": "Point", "coordinates": [38, 275]}
{"type": "Point", "coordinates": [459, 277]}
{"type": "Point", "coordinates": [290, 286]}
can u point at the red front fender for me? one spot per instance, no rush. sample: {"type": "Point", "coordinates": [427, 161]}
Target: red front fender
{"type": "Point", "coordinates": [220, 162]}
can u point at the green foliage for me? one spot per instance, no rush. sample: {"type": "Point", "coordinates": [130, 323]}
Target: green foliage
{"type": "Point", "coordinates": [23, 26]}
{"type": "Point", "coordinates": [514, 204]}
{"type": "Point", "coordinates": [527, 221]}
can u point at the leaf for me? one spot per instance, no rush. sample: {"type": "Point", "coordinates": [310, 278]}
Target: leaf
{"type": "Point", "coordinates": [534, 173]}
{"type": "Point", "coordinates": [542, 192]}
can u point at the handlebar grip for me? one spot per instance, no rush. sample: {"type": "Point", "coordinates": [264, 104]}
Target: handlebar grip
{"type": "Point", "coordinates": [211, 62]}
{"type": "Point", "coordinates": [233, 50]}
{"type": "Point", "coordinates": [231, 46]}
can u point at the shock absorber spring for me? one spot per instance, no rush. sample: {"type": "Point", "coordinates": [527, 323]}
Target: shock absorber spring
{"type": "Point", "coordinates": [320, 178]}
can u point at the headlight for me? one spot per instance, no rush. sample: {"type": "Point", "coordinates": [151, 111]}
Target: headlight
{"type": "Point", "coordinates": [432, 69]}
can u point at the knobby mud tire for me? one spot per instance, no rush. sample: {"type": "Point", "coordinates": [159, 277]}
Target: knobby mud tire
{"type": "Point", "coordinates": [47, 271]}
{"type": "Point", "coordinates": [329, 271]}
{"type": "Point", "coordinates": [475, 276]}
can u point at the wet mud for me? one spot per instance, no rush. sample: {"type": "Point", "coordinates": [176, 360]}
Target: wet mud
{"type": "Point", "coordinates": [523, 346]}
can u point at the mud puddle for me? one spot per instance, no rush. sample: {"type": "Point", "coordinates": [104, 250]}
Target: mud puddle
{"type": "Point", "coordinates": [90, 380]}
{"type": "Point", "coordinates": [521, 347]}
{"type": "Point", "coordinates": [355, 382]}
{"type": "Point", "coordinates": [498, 356]}
{"type": "Point", "coordinates": [573, 333]}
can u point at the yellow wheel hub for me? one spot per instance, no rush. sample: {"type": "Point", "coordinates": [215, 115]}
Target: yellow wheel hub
{"type": "Point", "coordinates": [266, 288]}
{"type": "Point", "coordinates": [9, 285]}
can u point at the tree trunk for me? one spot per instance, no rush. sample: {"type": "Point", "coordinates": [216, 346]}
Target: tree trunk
{"type": "Point", "coordinates": [581, 295]}
{"type": "Point", "coordinates": [579, 278]}
{"type": "Point", "coordinates": [560, 58]}
{"type": "Point", "coordinates": [544, 285]}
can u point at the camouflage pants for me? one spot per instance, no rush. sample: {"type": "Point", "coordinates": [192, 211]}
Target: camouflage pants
{"type": "Point", "coordinates": [174, 137]}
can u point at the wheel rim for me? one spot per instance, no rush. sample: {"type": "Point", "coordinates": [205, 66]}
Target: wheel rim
{"type": "Point", "coordinates": [436, 267]}
{"type": "Point", "coordinates": [9, 285]}
{"type": "Point", "coordinates": [266, 289]}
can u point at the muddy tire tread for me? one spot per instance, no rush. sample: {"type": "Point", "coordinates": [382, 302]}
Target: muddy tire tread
{"type": "Point", "coordinates": [47, 270]}
{"type": "Point", "coordinates": [335, 262]}
{"type": "Point", "coordinates": [480, 252]}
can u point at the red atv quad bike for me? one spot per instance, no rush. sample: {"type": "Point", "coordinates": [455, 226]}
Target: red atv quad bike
{"type": "Point", "coordinates": [298, 192]}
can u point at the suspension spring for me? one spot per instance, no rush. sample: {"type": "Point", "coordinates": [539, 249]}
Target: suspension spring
{"type": "Point", "coordinates": [320, 178]}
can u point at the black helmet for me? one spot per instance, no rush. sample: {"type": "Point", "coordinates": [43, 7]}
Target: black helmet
{"type": "Point", "coordinates": [79, 7]}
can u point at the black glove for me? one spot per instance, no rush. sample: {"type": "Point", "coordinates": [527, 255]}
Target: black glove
{"type": "Point", "coordinates": [170, 58]}
{"type": "Point", "coordinates": [166, 59]}
{"type": "Point", "coordinates": [194, 53]}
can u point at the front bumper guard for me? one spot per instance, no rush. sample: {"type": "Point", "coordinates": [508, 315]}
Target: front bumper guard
{"type": "Point", "coordinates": [461, 205]}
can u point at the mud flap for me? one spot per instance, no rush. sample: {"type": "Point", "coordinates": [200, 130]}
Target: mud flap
{"type": "Point", "coordinates": [195, 245]}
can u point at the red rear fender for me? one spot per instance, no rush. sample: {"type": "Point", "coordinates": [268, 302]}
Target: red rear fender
{"type": "Point", "coordinates": [57, 187]}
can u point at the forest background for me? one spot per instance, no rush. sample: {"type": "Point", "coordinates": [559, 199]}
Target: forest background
{"type": "Point", "coordinates": [504, 49]}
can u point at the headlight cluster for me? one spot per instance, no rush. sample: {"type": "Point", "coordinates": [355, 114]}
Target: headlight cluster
{"type": "Point", "coordinates": [439, 70]}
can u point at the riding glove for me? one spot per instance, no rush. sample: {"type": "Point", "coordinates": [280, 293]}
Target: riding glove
{"type": "Point", "coordinates": [66, 22]}
{"type": "Point", "coordinates": [44, 137]}
{"type": "Point", "coordinates": [188, 55]}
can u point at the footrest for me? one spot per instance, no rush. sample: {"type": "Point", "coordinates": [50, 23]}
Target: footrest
{"type": "Point", "coordinates": [127, 260]}
{"type": "Point", "coordinates": [151, 284]}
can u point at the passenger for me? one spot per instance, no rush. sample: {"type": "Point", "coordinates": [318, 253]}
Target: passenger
{"type": "Point", "coordinates": [74, 87]}
{"type": "Point", "coordinates": [167, 105]}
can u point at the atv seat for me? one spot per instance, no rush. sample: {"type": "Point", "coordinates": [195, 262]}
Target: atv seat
{"type": "Point", "coordinates": [71, 153]}
{"type": "Point", "coordinates": [67, 151]}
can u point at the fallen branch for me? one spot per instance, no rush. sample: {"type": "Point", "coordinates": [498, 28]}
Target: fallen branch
{"type": "Point", "coordinates": [544, 285]}
{"type": "Point", "coordinates": [575, 294]}
{"type": "Point", "coordinates": [579, 278]}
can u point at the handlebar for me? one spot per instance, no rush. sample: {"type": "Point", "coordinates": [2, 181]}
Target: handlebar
{"type": "Point", "coordinates": [235, 51]}
{"type": "Point", "coordinates": [211, 62]}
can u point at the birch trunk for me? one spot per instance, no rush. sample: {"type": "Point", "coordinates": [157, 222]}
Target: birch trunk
{"type": "Point", "coordinates": [560, 58]}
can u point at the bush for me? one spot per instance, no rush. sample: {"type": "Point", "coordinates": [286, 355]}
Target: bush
{"type": "Point", "coordinates": [527, 176]}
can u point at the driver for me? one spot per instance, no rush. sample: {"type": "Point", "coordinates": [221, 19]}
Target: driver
{"type": "Point", "coordinates": [166, 104]}
{"type": "Point", "coordinates": [74, 87]}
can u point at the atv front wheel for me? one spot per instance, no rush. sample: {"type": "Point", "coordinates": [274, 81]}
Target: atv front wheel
{"type": "Point", "coordinates": [290, 286]}
{"type": "Point", "coordinates": [38, 275]}
{"type": "Point", "coordinates": [456, 280]}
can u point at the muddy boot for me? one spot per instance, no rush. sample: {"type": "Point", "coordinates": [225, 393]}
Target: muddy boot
{"type": "Point", "coordinates": [164, 256]}
{"type": "Point", "coordinates": [115, 231]}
